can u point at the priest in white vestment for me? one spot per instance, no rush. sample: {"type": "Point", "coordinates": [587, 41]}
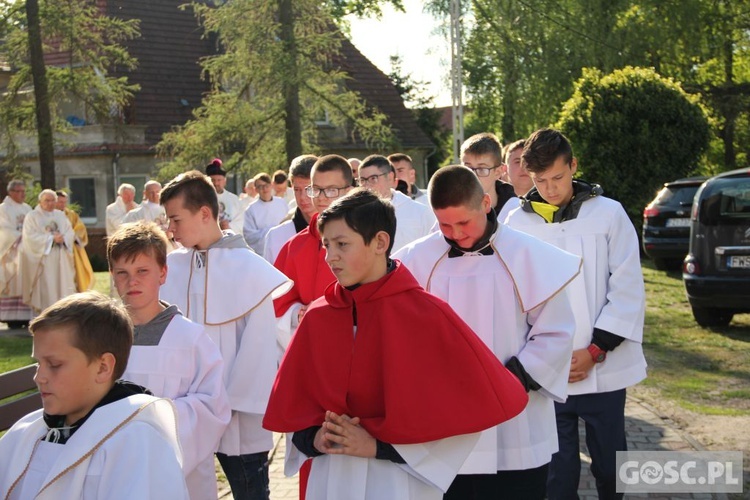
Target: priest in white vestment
{"type": "Point", "coordinates": [230, 207]}
{"type": "Point", "coordinates": [13, 210]}
{"type": "Point", "coordinates": [46, 258]}
{"type": "Point", "coordinates": [124, 203]}
{"type": "Point", "coordinates": [150, 209]}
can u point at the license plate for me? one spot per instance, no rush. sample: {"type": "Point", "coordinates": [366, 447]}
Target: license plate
{"type": "Point", "coordinates": [739, 261]}
{"type": "Point", "coordinates": [682, 222]}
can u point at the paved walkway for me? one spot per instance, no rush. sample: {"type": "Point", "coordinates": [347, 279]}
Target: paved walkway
{"type": "Point", "coordinates": [646, 431]}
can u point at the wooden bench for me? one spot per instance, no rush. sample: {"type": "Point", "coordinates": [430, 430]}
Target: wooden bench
{"type": "Point", "coordinates": [12, 384]}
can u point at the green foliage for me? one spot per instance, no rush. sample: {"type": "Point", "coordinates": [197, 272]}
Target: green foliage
{"type": "Point", "coordinates": [243, 119]}
{"type": "Point", "coordinates": [90, 46]}
{"type": "Point", "coordinates": [423, 109]}
{"type": "Point", "coordinates": [632, 130]}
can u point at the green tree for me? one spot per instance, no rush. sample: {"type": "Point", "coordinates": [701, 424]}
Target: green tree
{"type": "Point", "coordinates": [87, 45]}
{"type": "Point", "coordinates": [277, 74]}
{"type": "Point", "coordinates": [632, 130]}
{"type": "Point", "coordinates": [422, 107]}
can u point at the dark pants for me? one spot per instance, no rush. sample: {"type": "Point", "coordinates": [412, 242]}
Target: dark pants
{"type": "Point", "coordinates": [604, 416]}
{"type": "Point", "coordinates": [247, 475]}
{"type": "Point", "coordinates": [528, 484]}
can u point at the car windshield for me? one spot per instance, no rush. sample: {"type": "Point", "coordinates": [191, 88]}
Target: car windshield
{"type": "Point", "coordinates": [676, 196]}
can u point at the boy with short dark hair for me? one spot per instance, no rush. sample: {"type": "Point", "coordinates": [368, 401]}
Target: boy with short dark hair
{"type": "Point", "coordinates": [511, 290]}
{"type": "Point", "coordinates": [382, 384]}
{"type": "Point", "coordinates": [217, 281]}
{"type": "Point", "coordinates": [609, 307]}
{"type": "Point", "coordinates": [171, 355]}
{"type": "Point", "coordinates": [94, 437]}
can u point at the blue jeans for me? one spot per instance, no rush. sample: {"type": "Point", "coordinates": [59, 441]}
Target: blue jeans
{"type": "Point", "coordinates": [247, 475]}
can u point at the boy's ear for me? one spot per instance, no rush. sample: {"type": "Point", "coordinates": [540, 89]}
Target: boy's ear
{"type": "Point", "coordinates": [382, 241]}
{"type": "Point", "coordinates": [163, 275]}
{"type": "Point", "coordinates": [106, 368]}
{"type": "Point", "coordinates": [486, 203]}
{"type": "Point", "coordinates": [206, 214]}
{"type": "Point", "coordinates": [573, 165]}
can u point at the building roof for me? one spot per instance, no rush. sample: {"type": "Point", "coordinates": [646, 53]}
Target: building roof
{"type": "Point", "coordinates": [379, 91]}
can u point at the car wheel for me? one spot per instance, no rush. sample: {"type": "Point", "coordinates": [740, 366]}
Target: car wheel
{"type": "Point", "coordinates": [709, 316]}
{"type": "Point", "coordinates": [17, 325]}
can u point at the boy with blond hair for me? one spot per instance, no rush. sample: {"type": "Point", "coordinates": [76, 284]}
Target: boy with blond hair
{"type": "Point", "coordinates": [171, 355]}
{"type": "Point", "coordinates": [94, 437]}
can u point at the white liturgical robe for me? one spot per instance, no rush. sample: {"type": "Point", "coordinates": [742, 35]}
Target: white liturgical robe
{"type": "Point", "coordinates": [230, 209]}
{"type": "Point", "coordinates": [187, 368]}
{"type": "Point", "coordinates": [12, 215]}
{"type": "Point", "coordinates": [125, 450]}
{"type": "Point", "coordinates": [46, 268]}
{"type": "Point", "coordinates": [608, 294]}
{"type": "Point", "coordinates": [260, 217]}
{"type": "Point", "coordinates": [413, 220]}
{"type": "Point", "coordinates": [276, 238]}
{"type": "Point", "coordinates": [515, 301]}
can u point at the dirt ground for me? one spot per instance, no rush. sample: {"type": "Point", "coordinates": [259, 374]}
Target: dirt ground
{"type": "Point", "coordinates": [713, 432]}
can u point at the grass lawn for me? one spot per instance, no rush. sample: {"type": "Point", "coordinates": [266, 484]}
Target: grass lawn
{"type": "Point", "coordinates": [703, 370]}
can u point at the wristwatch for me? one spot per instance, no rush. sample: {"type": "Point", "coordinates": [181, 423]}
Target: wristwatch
{"type": "Point", "coordinates": [597, 354]}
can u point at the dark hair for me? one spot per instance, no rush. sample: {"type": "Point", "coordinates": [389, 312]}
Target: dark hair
{"type": "Point", "coordinates": [507, 150]}
{"type": "Point", "coordinates": [196, 191]}
{"type": "Point", "coordinates": [62, 193]}
{"type": "Point", "coordinates": [365, 213]}
{"type": "Point", "coordinates": [483, 144]}
{"type": "Point", "coordinates": [379, 161]}
{"type": "Point", "coordinates": [279, 177]}
{"type": "Point", "coordinates": [263, 177]}
{"type": "Point", "coordinates": [215, 168]}
{"type": "Point", "coordinates": [99, 323]}
{"type": "Point", "coordinates": [334, 163]}
{"type": "Point", "coordinates": [136, 238]}
{"type": "Point", "coordinates": [543, 148]}
{"type": "Point", "coordinates": [302, 165]}
{"type": "Point", "coordinates": [455, 186]}
{"type": "Point", "coordinates": [397, 157]}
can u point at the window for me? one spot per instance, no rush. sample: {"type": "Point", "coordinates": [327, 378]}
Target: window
{"type": "Point", "coordinates": [83, 194]}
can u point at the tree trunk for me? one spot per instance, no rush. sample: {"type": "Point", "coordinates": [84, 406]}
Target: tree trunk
{"type": "Point", "coordinates": [41, 97]}
{"type": "Point", "coordinates": [290, 85]}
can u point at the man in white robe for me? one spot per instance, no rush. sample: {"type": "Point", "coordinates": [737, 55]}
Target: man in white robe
{"type": "Point", "coordinates": [276, 238]}
{"type": "Point", "coordinates": [150, 209]}
{"type": "Point", "coordinates": [231, 215]}
{"type": "Point", "coordinates": [414, 220]}
{"type": "Point", "coordinates": [263, 214]}
{"type": "Point", "coordinates": [13, 210]}
{"type": "Point", "coordinates": [202, 283]}
{"type": "Point", "coordinates": [249, 194]}
{"type": "Point", "coordinates": [46, 258]}
{"type": "Point", "coordinates": [608, 303]}
{"type": "Point", "coordinates": [124, 203]}
{"type": "Point", "coordinates": [510, 289]}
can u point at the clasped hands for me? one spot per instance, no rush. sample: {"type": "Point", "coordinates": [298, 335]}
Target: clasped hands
{"type": "Point", "coordinates": [342, 435]}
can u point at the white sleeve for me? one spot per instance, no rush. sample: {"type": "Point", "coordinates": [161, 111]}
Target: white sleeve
{"type": "Point", "coordinates": [203, 413]}
{"type": "Point", "coordinates": [549, 345]}
{"type": "Point", "coordinates": [437, 462]}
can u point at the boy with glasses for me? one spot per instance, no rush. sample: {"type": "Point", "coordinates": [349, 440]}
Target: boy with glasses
{"type": "Point", "coordinates": [414, 219]}
{"type": "Point", "coordinates": [263, 214]}
{"type": "Point", "coordinates": [482, 153]}
{"type": "Point", "coordinates": [302, 258]}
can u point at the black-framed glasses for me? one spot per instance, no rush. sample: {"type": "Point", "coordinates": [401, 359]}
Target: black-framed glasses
{"type": "Point", "coordinates": [330, 192]}
{"type": "Point", "coordinates": [482, 171]}
{"type": "Point", "coordinates": [368, 181]}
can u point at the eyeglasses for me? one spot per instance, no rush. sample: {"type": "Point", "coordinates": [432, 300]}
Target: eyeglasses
{"type": "Point", "coordinates": [368, 181]}
{"type": "Point", "coordinates": [262, 186]}
{"type": "Point", "coordinates": [314, 191]}
{"type": "Point", "coordinates": [482, 171]}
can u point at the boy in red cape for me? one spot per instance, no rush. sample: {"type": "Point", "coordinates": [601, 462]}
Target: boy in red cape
{"type": "Point", "coordinates": [383, 384]}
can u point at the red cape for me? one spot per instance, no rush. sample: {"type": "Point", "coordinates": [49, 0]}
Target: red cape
{"type": "Point", "coordinates": [414, 372]}
{"type": "Point", "coordinates": [303, 260]}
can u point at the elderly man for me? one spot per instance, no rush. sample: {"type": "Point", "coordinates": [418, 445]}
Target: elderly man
{"type": "Point", "coordinates": [84, 272]}
{"type": "Point", "coordinates": [124, 203]}
{"type": "Point", "coordinates": [231, 215]}
{"type": "Point", "coordinates": [46, 258]}
{"type": "Point", "coordinates": [13, 210]}
{"type": "Point", "coordinates": [150, 209]}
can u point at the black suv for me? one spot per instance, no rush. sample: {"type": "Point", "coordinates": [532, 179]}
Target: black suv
{"type": "Point", "coordinates": [716, 270]}
{"type": "Point", "coordinates": [666, 223]}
